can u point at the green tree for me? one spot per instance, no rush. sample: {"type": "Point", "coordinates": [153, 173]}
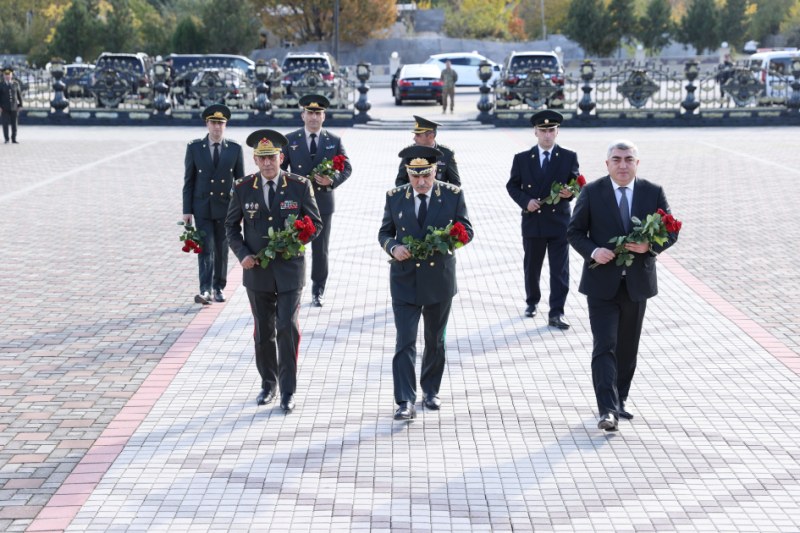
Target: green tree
{"type": "Point", "coordinates": [623, 20]}
{"type": "Point", "coordinates": [78, 33]}
{"type": "Point", "coordinates": [479, 19]}
{"type": "Point", "coordinates": [153, 26]}
{"type": "Point", "coordinates": [231, 26]}
{"type": "Point", "coordinates": [589, 24]}
{"type": "Point", "coordinates": [732, 23]}
{"type": "Point", "coordinates": [767, 16]}
{"type": "Point", "coordinates": [699, 26]}
{"type": "Point", "coordinates": [656, 27]}
{"type": "Point", "coordinates": [188, 39]}
{"type": "Point", "coordinates": [119, 34]}
{"type": "Point", "coordinates": [555, 15]}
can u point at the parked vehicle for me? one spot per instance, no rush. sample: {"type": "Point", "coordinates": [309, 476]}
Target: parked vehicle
{"type": "Point", "coordinates": [78, 77]}
{"type": "Point", "coordinates": [518, 66]}
{"type": "Point", "coordinates": [185, 68]}
{"type": "Point", "coordinates": [774, 70]}
{"type": "Point", "coordinates": [218, 86]}
{"type": "Point", "coordinates": [420, 81]}
{"type": "Point", "coordinates": [466, 66]}
{"type": "Point", "coordinates": [120, 77]}
{"type": "Point", "coordinates": [310, 72]}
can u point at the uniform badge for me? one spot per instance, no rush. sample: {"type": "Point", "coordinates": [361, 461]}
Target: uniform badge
{"type": "Point", "coordinates": [293, 146]}
{"type": "Point", "coordinates": [251, 208]}
{"type": "Point", "coordinates": [289, 204]}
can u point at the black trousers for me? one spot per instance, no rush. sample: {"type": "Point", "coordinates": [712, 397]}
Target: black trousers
{"type": "Point", "coordinates": [406, 321]}
{"type": "Point", "coordinates": [319, 256]}
{"type": "Point", "coordinates": [277, 337]}
{"type": "Point", "coordinates": [557, 250]}
{"type": "Point", "coordinates": [10, 119]}
{"type": "Point", "coordinates": [213, 260]}
{"type": "Point", "coordinates": [616, 329]}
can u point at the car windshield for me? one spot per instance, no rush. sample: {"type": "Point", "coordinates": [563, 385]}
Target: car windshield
{"type": "Point", "coordinates": [543, 63]}
{"type": "Point", "coordinates": [306, 63]}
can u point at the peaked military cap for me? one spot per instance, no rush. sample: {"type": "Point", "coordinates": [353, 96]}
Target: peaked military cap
{"type": "Point", "coordinates": [266, 142]}
{"type": "Point", "coordinates": [422, 125]}
{"type": "Point", "coordinates": [420, 160]}
{"type": "Point", "coordinates": [217, 113]}
{"type": "Point", "coordinates": [314, 102]}
{"type": "Point", "coordinates": [8, 69]}
{"type": "Point", "coordinates": [546, 119]}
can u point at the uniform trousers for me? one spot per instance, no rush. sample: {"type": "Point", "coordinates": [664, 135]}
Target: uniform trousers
{"type": "Point", "coordinates": [448, 93]}
{"type": "Point", "coordinates": [557, 250]}
{"type": "Point", "coordinates": [406, 321]}
{"type": "Point", "coordinates": [319, 256]}
{"type": "Point", "coordinates": [616, 328]}
{"type": "Point", "coordinates": [213, 260]}
{"type": "Point", "coordinates": [277, 337]}
{"type": "Point", "coordinates": [10, 119]}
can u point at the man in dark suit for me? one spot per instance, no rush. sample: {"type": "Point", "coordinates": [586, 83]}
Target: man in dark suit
{"type": "Point", "coordinates": [544, 226]}
{"type": "Point", "coordinates": [616, 294]}
{"type": "Point", "coordinates": [212, 164]}
{"type": "Point", "coordinates": [308, 147]}
{"type": "Point", "coordinates": [446, 166]}
{"type": "Point", "coordinates": [259, 203]}
{"type": "Point", "coordinates": [10, 102]}
{"type": "Point", "coordinates": [420, 287]}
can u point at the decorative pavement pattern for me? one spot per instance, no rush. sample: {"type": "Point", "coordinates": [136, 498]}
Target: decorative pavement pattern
{"type": "Point", "coordinates": [124, 406]}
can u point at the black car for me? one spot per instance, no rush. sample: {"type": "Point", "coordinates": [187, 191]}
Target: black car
{"type": "Point", "coordinates": [310, 72]}
{"type": "Point", "coordinates": [78, 77]}
{"type": "Point", "coordinates": [520, 68]}
{"type": "Point", "coordinates": [120, 77]}
{"type": "Point", "coordinates": [418, 82]}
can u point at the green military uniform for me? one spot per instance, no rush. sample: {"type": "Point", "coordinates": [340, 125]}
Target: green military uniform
{"type": "Point", "coordinates": [10, 102]}
{"type": "Point", "coordinates": [449, 78]}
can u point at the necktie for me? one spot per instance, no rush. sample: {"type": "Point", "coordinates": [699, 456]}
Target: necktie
{"type": "Point", "coordinates": [546, 162]}
{"type": "Point", "coordinates": [624, 211]}
{"type": "Point", "coordinates": [216, 154]}
{"type": "Point", "coordinates": [313, 147]}
{"type": "Point", "coordinates": [423, 210]}
{"type": "Point", "coordinates": [270, 194]}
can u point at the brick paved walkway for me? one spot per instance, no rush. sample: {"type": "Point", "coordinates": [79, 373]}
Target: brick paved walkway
{"type": "Point", "coordinates": [125, 407]}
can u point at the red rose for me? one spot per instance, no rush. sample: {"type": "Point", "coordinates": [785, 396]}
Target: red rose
{"type": "Point", "coordinates": [338, 162]}
{"type": "Point", "coordinates": [298, 225]}
{"type": "Point", "coordinates": [661, 212]}
{"type": "Point", "coordinates": [580, 180]}
{"type": "Point", "coordinates": [186, 248]}
{"type": "Point", "coordinates": [197, 250]}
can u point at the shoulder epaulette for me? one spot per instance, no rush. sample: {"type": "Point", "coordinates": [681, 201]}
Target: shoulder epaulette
{"type": "Point", "coordinates": [247, 178]}
{"type": "Point", "coordinates": [195, 141]}
{"type": "Point", "coordinates": [392, 192]}
{"type": "Point", "coordinates": [454, 188]}
{"type": "Point", "coordinates": [295, 177]}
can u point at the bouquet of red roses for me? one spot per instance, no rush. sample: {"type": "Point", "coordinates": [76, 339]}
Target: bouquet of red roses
{"type": "Point", "coordinates": [288, 242]}
{"type": "Point", "coordinates": [574, 185]}
{"type": "Point", "coordinates": [191, 238]}
{"type": "Point", "coordinates": [439, 240]}
{"type": "Point", "coordinates": [655, 228]}
{"type": "Point", "coordinates": [329, 167]}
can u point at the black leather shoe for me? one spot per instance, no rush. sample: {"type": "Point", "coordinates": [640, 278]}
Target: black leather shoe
{"type": "Point", "coordinates": [432, 401]}
{"type": "Point", "coordinates": [624, 413]}
{"type": "Point", "coordinates": [203, 298]}
{"type": "Point", "coordinates": [265, 396]}
{"type": "Point", "coordinates": [608, 422]}
{"type": "Point", "coordinates": [558, 322]}
{"type": "Point", "coordinates": [406, 411]}
{"type": "Point", "coordinates": [287, 402]}
{"type": "Point", "coordinates": [316, 300]}
{"type": "Point", "coordinates": [15, 141]}
{"type": "Point", "coordinates": [530, 311]}
{"type": "Point", "coordinates": [218, 297]}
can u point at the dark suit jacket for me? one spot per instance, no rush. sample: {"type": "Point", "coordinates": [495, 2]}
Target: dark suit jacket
{"type": "Point", "coordinates": [596, 220]}
{"type": "Point", "coordinates": [207, 190]}
{"type": "Point", "coordinates": [299, 161]}
{"type": "Point", "coordinates": [10, 95]}
{"type": "Point", "coordinates": [446, 168]}
{"type": "Point", "coordinates": [433, 280]}
{"type": "Point", "coordinates": [294, 196]}
{"type": "Point", "coordinates": [528, 181]}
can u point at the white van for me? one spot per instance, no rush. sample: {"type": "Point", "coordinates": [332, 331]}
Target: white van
{"type": "Point", "coordinates": [774, 70]}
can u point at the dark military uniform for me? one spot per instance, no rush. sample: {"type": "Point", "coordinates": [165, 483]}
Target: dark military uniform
{"type": "Point", "coordinates": [274, 292]}
{"type": "Point", "coordinates": [10, 102]}
{"type": "Point", "coordinates": [420, 288]}
{"type": "Point", "coordinates": [206, 194]}
{"type": "Point", "coordinates": [544, 230]}
{"type": "Point", "coordinates": [299, 160]}
{"type": "Point", "coordinates": [446, 166]}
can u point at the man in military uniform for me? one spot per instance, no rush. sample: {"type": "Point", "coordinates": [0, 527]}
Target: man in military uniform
{"type": "Point", "coordinates": [449, 78]}
{"type": "Point", "coordinates": [446, 166]}
{"type": "Point", "coordinates": [275, 79]}
{"type": "Point", "coordinates": [211, 165]}
{"type": "Point", "coordinates": [259, 203]}
{"type": "Point", "coordinates": [420, 287]}
{"type": "Point", "coordinates": [544, 227]}
{"type": "Point", "coordinates": [10, 102]}
{"type": "Point", "coordinates": [308, 147]}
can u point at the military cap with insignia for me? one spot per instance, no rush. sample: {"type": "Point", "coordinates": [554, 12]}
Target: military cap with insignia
{"type": "Point", "coordinates": [8, 69]}
{"type": "Point", "coordinates": [266, 142]}
{"type": "Point", "coordinates": [314, 102]}
{"type": "Point", "coordinates": [217, 113]}
{"type": "Point", "coordinates": [420, 160]}
{"type": "Point", "coordinates": [423, 125]}
{"type": "Point", "coordinates": [546, 119]}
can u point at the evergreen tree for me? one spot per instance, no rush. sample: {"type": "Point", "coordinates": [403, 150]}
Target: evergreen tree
{"type": "Point", "coordinates": [119, 33]}
{"type": "Point", "coordinates": [623, 20]}
{"type": "Point", "coordinates": [589, 24]}
{"type": "Point", "coordinates": [732, 27]}
{"type": "Point", "coordinates": [655, 27]}
{"type": "Point", "coordinates": [767, 17]}
{"type": "Point", "coordinates": [699, 26]}
{"type": "Point", "coordinates": [231, 26]}
{"type": "Point", "coordinates": [78, 33]}
{"type": "Point", "coordinates": [187, 38]}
